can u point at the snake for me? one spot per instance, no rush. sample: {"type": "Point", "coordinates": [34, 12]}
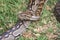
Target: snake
{"type": "Point", "coordinates": [32, 13]}
{"type": "Point", "coordinates": [34, 10]}
{"type": "Point", "coordinates": [57, 11]}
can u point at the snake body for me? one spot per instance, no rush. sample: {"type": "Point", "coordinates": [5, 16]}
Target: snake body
{"type": "Point", "coordinates": [17, 30]}
{"type": "Point", "coordinates": [32, 13]}
{"type": "Point", "coordinates": [57, 11]}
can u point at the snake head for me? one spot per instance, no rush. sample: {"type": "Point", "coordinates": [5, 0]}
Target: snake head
{"type": "Point", "coordinates": [27, 15]}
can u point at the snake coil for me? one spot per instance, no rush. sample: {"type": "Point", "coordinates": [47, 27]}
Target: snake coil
{"type": "Point", "coordinates": [32, 13]}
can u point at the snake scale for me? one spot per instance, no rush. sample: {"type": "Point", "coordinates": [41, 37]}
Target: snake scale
{"type": "Point", "coordinates": [32, 13]}
{"type": "Point", "coordinates": [57, 11]}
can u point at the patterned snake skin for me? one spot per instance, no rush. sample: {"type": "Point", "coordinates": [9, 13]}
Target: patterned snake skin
{"type": "Point", "coordinates": [17, 30]}
{"type": "Point", "coordinates": [57, 11]}
{"type": "Point", "coordinates": [33, 12]}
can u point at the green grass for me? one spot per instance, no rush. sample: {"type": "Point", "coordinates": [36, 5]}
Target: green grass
{"type": "Point", "coordinates": [47, 18]}
{"type": "Point", "coordinates": [8, 12]}
{"type": "Point", "coordinates": [8, 17]}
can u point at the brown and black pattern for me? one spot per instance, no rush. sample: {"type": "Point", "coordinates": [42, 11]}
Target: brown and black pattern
{"type": "Point", "coordinates": [40, 6]}
{"type": "Point", "coordinates": [34, 10]}
{"type": "Point", "coordinates": [57, 11]}
{"type": "Point", "coordinates": [32, 13]}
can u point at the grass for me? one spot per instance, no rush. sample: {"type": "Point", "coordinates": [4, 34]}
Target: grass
{"type": "Point", "coordinates": [41, 30]}
{"type": "Point", "coordinates": [8, 12]}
